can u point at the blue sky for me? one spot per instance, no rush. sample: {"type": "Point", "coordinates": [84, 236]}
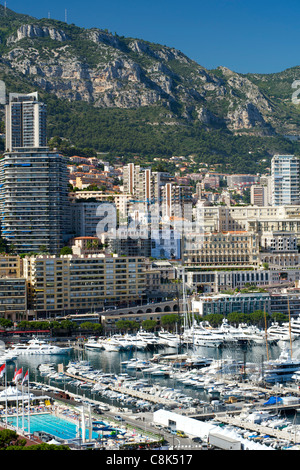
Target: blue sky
{"type": "Point", "coordinates": [245, 36]}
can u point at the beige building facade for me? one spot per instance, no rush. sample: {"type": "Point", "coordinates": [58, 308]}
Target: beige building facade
{"type": "Point", "coordinates": [238, 248]}
{"type": "Point", "coordinates": [13, 291]}
{"type": "Point", "coordinates": [66, 284]}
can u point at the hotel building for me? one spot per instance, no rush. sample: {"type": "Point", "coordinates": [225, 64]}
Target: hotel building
{"type": "Point", "coordinates": [218, 249]}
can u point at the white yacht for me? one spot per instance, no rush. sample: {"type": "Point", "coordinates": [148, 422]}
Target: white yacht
{"type": "Point", "coordinates": [149, 338]}
{"type": "Point", "coordinates": [253, 334]}
{"type": "Point", "coordinates": [94, 344]}
{"type": "Point", "coordinates": [169, 339]}
{"type": "Point", "coordinates": [136, 342]}
{"type": "Point", "coordinates": [110, 344]}
{"type": "Point", "coordinates": [37, 346]}
{"type": "Point", "coordinates": [232, 334]}
{"type": "Point", "coordinates": [198, 335]}
{"type": "Point", "coordinates": [282, 369]}
{"type": "Point", "coordinates": [295, 325]}
{"type": "Point", "coordinates": [46, 369]}
{"type": "Point", "coordinates": [123, 341]}
{"type": "Point", "coordinates": [7, 355]}
{"type": "Point", "coordinates": [281, 333]}
{"type": "Point", "coordinates": [137, 364]}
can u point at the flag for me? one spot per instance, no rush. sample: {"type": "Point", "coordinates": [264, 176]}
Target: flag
{"type": "Point", "coordinates": [18, 375]}
{"type": "Point", "coordinates": [2, 370]}
{"type": "Point", "coordinates": [25, 378]}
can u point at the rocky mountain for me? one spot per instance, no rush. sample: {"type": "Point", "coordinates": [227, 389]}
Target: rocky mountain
{"type": "Point", "coordinates": [104, 72]}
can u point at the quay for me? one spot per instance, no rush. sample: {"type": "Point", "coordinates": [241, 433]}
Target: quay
{"type": "Point", "coordinates": [237, 411]}
{"type": "Point", "coordinates": [128, 391]}
{"type": "Point", "coordinates": [257, 428]}
{"type": "Point", "coordinates": [278, 407]}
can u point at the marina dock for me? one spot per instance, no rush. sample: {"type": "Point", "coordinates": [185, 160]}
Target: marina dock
{"type": "Point", "coordinates": [128, 391]}
{"type": "Point", "coordinates": [257, 428]}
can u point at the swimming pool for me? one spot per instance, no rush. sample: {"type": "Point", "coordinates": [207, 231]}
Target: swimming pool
{"type": "Point", "coordinates": [51, 424]}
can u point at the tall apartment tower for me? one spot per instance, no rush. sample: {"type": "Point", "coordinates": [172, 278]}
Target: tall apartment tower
{"type": "Point", "coordinates": [144, 184]}
{"type": "Point", "coordinates": [34, 205]}
{"type": "Point", "coordinates": [25, 122]}
{"type": "Point", "coordinates": [176, 201]}
{"type": "Point", "coordinates": [285, 180]}
{"type": "Point", "coordinates": [259, 195]}
{"type": "Point", "coordinates": [138, 182]}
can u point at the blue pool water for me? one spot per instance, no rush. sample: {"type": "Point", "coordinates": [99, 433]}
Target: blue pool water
{"type": "Point", "coordinates": [51, 424]}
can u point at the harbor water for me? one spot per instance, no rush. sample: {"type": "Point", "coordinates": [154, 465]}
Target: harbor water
{"type": "Point", "coordinates": [113, 363]}
{"type": "Point", "coordinates": [116, 363]}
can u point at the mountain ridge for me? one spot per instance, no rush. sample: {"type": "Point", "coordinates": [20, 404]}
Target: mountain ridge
{"type": "Point", "coordinates": [92, 70]}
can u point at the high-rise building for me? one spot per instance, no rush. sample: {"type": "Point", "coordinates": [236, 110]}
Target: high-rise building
{"type": "Point", "coordinates": [144, 184]}
{"type": "Point", "coordinates": [25, 122]}
{"type": "Point", "coordinates": [285, 180]}
{"type": "Point", "coordinates": [176, 201]}
{"type": "Point", "coordinates": [86, 217]}
{"type": "Point", "coordinates": [34, 206]}
{"type": "Point", "coordinates": [259, 195]}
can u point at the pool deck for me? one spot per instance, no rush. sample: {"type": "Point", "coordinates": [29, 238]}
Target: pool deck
{"type": "Point", "coordinates": [70, 414]}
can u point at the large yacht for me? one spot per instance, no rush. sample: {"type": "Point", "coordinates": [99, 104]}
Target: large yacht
{"type": "Point", "coordinates": [198, 335]}
{"type": "Point", "coordinates": [169, 339]}
{"type": "Point", "coordinates": [37, 346]}
{"type": "Point", "coordinates": [110, 344]}
{"type": "Point", "coordinates": [295, 325]}
{"type": "Point", "coordinates": [149, 338]}
{"type": "Point", "coordinates": [281, 333]}
{"type": "Point", "coordinates": [94, 344]}
{"type": "Point", "coordinates": [281, 370]}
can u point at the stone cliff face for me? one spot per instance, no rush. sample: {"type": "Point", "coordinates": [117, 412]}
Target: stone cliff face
{"type": "Point", "coordinates": [111, 71]}
{"type": "Point", "coordinates": [35, 31]}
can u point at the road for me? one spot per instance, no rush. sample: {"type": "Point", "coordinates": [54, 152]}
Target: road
{"type": "Point", "coordinates": [144, 422]}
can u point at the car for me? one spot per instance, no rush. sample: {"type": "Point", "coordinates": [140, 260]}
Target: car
{"type": "Point", "coordinates": [158, 426]}
{"type": "Point", "coordinates": [197, 439]}
{"type": "Point", "coordinates": [118, 418]}
{"type": "Point", "coordinates": [173, 431]}
{"type": "Point", "coordinates": [181, 434]}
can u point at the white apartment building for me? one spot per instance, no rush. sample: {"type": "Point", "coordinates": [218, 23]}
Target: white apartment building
{"type": "Point", "coordinates": [285, 180]}
{"type": "Point", "coordinates": [25, 122]}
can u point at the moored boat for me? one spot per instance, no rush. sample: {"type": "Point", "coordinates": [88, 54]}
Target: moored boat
{"type": "Point", "coordinates": [37, 346]}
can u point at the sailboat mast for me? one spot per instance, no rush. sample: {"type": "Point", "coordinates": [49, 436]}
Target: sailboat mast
{"type": "Point", "coordinates": [266, 332]}
{"type": "Point", "coordinates": [290, 330]}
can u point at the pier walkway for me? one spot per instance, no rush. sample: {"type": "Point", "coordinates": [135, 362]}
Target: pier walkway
{"type": "Point", "coordinates": [257, 428]}
{"type": "Point", "coordinates": [129, 391]}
